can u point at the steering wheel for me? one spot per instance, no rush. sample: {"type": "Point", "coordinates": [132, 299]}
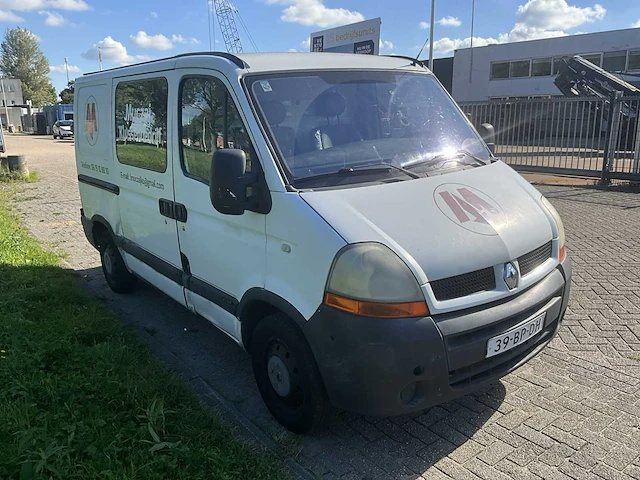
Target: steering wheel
{"type": "Point", "coordinates": [407, 104]}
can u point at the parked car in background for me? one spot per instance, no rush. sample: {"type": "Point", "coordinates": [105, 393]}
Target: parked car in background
{"type": "Point", "coordinates": [63, 129]}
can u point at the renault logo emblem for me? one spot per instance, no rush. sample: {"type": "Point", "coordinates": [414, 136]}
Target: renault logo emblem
{"type": "Point", "coordinates": [510, 275]}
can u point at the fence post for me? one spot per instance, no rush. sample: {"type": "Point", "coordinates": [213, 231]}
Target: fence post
{"type": "Point", "coordinates": [636, 150]}
{"type": "Point", "coordinates": [611, 137]}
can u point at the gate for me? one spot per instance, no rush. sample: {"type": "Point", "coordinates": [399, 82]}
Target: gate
{"type": "Point", "coordinates": [572, 136]}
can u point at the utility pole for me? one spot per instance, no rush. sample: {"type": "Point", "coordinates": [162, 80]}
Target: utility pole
{"type": "Point", "coordinates": [100, 57]}
{"type": "Point", "coordinates": [432, 28]}
{"type": "Point", "coordinates": [66, 66]}
{"type": "Point", "coordinates": [473, 8]}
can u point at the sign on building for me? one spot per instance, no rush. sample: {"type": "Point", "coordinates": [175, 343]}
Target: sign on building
{"type": "Point", "coordinates": [362, 38]}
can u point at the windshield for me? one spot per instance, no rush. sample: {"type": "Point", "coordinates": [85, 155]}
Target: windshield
{"type": "Point", "coordinates": [66, 123]}
{"type": "Point", "coordinates": [325, 123]}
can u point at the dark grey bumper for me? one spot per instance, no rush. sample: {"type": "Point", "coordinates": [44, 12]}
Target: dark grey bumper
{"type": "Point", "coordinates": [87, 226]}
{"type": "Point", "coordinates": [366, 362]}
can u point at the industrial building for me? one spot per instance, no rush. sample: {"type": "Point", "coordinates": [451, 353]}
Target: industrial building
{"type": "Point", "coordinates": [12, 101]}
{"type": "Point", "coordinates": [527, 69]}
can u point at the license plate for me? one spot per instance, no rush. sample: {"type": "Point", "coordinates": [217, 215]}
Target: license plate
{"type": "Point", "coordinates": [511, 339]}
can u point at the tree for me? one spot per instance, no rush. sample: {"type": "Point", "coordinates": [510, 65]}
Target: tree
{"type": "Point", "coordinates": [21, 57]}
{"type": "Point", "coordinates": [66, 95]}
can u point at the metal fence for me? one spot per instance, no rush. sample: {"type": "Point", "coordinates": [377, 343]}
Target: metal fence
{"type": "Point", "coordinates": [575, 136]}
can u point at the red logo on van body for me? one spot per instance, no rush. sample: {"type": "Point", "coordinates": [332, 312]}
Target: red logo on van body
{"type": "Point", "coordinates": [470, 208]}
{"type": "Point", "coordinates": [91, 121]}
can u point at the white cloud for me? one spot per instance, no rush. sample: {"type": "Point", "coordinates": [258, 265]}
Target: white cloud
{"type": "Point", "coordinates": [306, 43]}
{"type": "Point", "coordinates": [153, 15]}
{"type": "Point", "coordinates": [53, 19]}
{"type": "Point", "coordinates": [534, 20]}
{"type": "Point", "coordinates": [180, 39]}
{"type": "Point", "coordinates": [292, 50]}
{"type": "Point", "coordinates": [557, 14]}
{"type": "Point", "coordinates": [315, 13]}
{"type": "Point", "coordinates": [424, 25]}
{"type": "Point", "coordinates": [112, 51]}
{"type": "Point", "coordinates": [7, 16]}
{"type": "Point", "coordinates": [446, 44]}
{"type": "Point", "coordinates": [636, 24]}
{"type": "Point", "coordinates": [385, 44]}
{"type": "Point", "coordinates": [449, 22]}
{"type": "Point", "coordinates": [159, 41]}
{"type": "Point", "coordinates": [26, 5]}
{"type": "Point", "coordinates": [61, 68]}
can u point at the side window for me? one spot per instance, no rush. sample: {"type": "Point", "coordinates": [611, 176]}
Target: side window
{"type": "Point", "coordinates": [210, 121]}
{"type": "Point", "coordinates": [141, 123]}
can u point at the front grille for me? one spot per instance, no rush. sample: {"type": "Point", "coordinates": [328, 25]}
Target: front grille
{"type": "Point", "coordinates": [465, 284]}
{"type": "Point", "coordinates": [532, 260]}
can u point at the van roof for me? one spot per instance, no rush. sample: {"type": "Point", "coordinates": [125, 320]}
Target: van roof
{"type": "Point", "coordinates": [276, 61]}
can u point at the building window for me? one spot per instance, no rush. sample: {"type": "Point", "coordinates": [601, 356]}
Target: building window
{"type": "Point", "coordinates": [141, 123]}
{"type": "Point", "coordinates": [594, 58]}
{"type": "Point", "coordinates": [210, 121]}
{"type": "Point", "coordinates": [499, 70]}
{"type": "Point", "coordinates": [541, 67]}
{"type": "Point", "coordinates": [615, 61]}
{"type": "Point", "coordinates": [634, 59]}
{"type": "Point", "coordinates": [11, 87]}
{"type": "Point", "coordinates": [519, 68]}
{"type": "Point", "coordinates": [556, 64]}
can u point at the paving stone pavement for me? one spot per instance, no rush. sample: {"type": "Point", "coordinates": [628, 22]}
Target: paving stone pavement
{"type": "Point", "coordinates": [571, 413]}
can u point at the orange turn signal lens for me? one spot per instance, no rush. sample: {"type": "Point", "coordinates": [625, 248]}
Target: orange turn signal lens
{"type": "Point", "coordinates": [562, 253]}
{"type": "Point", "coordinates": [376, 309]}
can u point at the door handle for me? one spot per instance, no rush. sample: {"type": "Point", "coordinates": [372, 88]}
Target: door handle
{"type": "Point", "coordinates": [166, 208]}
{"type": "Point", "coordinates": [180, 212]}
{"type": "Point", "coordinates": [172, 210]}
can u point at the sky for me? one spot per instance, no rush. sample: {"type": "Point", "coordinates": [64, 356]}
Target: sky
{"type": "Point", "coordinates": [132, 31]}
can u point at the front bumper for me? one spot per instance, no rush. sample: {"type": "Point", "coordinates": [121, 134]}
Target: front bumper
{"type": "Point", "coordinates": [391, 367]}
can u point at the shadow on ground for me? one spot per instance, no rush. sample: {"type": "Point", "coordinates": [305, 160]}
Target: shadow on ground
{"type": "Point", "coordinates": [373, 447]}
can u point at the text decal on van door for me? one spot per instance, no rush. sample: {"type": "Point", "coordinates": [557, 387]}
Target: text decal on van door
{"type": "Point", "coordinates": [470, 208]}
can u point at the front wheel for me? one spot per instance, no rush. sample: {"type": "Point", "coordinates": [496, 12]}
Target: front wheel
{"type": "Point", "coordinates": [287, 375]}
{"type": "Point", "coordinates": [115, 271]}
{"type": "Point", "coordinates": [55, 137]}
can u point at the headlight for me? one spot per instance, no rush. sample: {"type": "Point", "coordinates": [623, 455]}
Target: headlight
{"type": "Point", "coordinates": [559, 227]}
{"type": "Point", "coordinates": [369, 279]}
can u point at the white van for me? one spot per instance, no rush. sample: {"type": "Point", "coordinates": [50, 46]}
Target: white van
{"type": "Point", "coordinates": [336, 215]}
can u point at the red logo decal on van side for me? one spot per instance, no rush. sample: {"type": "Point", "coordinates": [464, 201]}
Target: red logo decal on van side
{"type": "Point", "coordinates": [470, 208]}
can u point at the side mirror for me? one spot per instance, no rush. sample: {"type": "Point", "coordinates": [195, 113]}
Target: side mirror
{"type": "Point", "coordinates": [488, 134]}
{"type": "Point", "coordinates": [229, 181]}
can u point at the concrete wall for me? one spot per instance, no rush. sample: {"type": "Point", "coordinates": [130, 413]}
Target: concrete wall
{"type": "Point", "coordinates": [482, 87]}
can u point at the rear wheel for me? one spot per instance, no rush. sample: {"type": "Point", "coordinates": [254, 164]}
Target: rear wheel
{"type": "Point", "coordinates": [287, 375]}
{"type": "Point", "coordinates": [115, 271]}
{"type": "Point", "coordinates": [55, 137]}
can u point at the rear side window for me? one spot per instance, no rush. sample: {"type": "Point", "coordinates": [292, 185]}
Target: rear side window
{"type": "Point", "coordinates": [210, 121]}
{"type": "Point", "coordinates": [141, 123]}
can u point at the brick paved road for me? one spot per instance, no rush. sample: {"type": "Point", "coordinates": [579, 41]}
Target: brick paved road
{"type": "Point", "coordinates": [573, 412]}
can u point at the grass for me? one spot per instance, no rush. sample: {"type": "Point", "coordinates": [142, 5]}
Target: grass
{"type": "Point", "coordinates": [82, 397]}
{"type": "Point", "coordinates": [142, 155]}
{"type": "Point", "coordinates": [13, 177]}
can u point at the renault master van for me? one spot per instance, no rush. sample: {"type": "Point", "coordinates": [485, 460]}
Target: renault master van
{"type": "Point", "coordinates": [336, 215]}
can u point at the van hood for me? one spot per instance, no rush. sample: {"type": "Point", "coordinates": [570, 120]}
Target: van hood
{"type": "Point", "coordinates": [443, 225]}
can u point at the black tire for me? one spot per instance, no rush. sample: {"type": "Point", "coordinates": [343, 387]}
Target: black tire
{"type": "Point", "coordinates": [306, 406]}
{"type": "Point", "coordinates": [55, 137]}
{"type": "Point", "coordinates": [115, 271]}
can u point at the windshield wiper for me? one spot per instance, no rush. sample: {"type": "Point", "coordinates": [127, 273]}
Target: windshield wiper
{"type": "Point", "coordinates": [448, 156]}
{"type": "Point", "coordinates": [361, 170]}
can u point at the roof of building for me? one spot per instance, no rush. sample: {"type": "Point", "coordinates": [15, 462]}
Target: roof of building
{"type": "Point", "coordinates": [559, 39]}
